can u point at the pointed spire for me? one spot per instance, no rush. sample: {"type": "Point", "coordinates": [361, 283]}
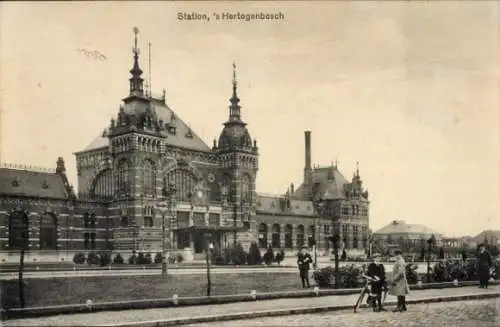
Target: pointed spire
{"type": "Point", "coordinates": [234, 108]}
{"type": "Point", "coordinates": [136, 82]}
{"type": "Point", "coordinates": [357, 168]}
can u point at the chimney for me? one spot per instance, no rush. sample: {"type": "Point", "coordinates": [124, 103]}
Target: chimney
{"type": "Point", "coordinates": [308, 168]}
{"type": "Point", "coordinates": [292, 189]}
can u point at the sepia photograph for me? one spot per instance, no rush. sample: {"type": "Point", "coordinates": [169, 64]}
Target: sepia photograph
{"type": "Point", "coordinates": [250, 163]}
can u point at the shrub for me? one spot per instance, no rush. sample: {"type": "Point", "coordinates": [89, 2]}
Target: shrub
{"type": "Point", "coordinates": [280, 256]}
{"type": "Point", "coordinates": [140, 259]}
{"type": "Point", "coordinates": [79, 258]}
{"type": "Point", "coordinates": [238, 255]}
{"type": "Point", "coordinates": [147, 259]}
{"type": "Point", "coordinates": [350, 276]}
{"type": "Point", "coordinates": [254, 256]}
{"type": "Point", "coordinates": [268, 256]}
{"type": "Point", "coordinates": [179, 258]}
{"type": "Point", "coordinates": [343, 257]}
{"type": "Point", "coordinates": [158, 257]}
{"type": "Point", "coordinates": [133, 259]}
{"type": "Point", "coordinates": [411, 273]}
{"type": "Point", "coordinates": [93, 259]}
{"type": "Point", "coordinates": [105, 259]}
{"type": "Point", "coordinates": [171, 258]}
{"type": "Point", "coordinates": [118, 260]}
{"type": "Point", "coordinates": [219, 260]}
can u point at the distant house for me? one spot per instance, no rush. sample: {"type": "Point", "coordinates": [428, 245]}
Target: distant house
{"type": "Point", "coordinates": [492, 237]}
{"type": "Point", "coordinates": [407, 236]}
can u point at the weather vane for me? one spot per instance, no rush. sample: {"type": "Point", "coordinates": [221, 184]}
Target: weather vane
{"type": "Point", "coordinates": [135, 50]}
{"type": "Point", "coordinates": [234, 73]}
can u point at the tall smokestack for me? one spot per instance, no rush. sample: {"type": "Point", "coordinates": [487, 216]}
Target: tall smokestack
{"type": "Point", "coordinates": [308, 168]}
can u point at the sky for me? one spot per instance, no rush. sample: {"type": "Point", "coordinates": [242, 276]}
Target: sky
{"type": "Point", "coordinates": [410, 90]}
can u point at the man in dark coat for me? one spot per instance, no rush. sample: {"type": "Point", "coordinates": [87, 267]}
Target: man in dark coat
{"type": "Point", "coordinates": [304, 261]}
{"type": "Point", "coordinates": [377, 271]}
{"type": "Point", "coordinates": [483, 266]}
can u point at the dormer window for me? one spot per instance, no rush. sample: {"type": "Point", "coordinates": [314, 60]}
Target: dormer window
{"type": "Point", "coordinates": [15, 182]}
{"type": "Point", "coordinates": [45, 185]}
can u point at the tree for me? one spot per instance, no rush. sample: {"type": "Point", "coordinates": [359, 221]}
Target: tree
{"type": "Point", "coordinates": [158, 257]}
{"type": "Point", "coordinates": [441, 253]}
{"type": "Point", "coordinates": [118, 260]}
{"type": "Point", "coordinates": [343, 257]}
{"type": "Point", "coordinates": [254, 256]}
{"type": "Point", "coordinates": [105, 259]}
{"type": "Point", "coordinates": [422, 254]}
{"type": "Point", "coordinates": [269, 256]}
{"type": "Point", "coordinates": [280, 256]}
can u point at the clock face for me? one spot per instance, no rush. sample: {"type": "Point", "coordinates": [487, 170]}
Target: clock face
{"type": "Point", "coordinates": [211, 177]}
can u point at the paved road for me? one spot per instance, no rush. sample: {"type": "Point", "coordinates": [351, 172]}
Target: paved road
{"type": "Point", "coordinates": [456, 314]}
{"type": "Point", "coordinates": [128, 316]}
{"type": "Point", "coordinates": [422, 268]}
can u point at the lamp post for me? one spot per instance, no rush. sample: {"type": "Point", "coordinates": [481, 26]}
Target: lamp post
{"type": "Point", "coordinates": [166, 193]}
{"type": "Point", "coordinates": [370, 246]}
{"type": "Point", "coordinates": [430, 241]}
{"type": "Point", "coordinates": [208, 251]}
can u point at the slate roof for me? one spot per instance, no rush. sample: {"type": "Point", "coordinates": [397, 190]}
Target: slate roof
{"type": "Point", "coordinates": [331, 189]}
{"type": "Point", "coordinates": [276, 204]}
{"type": "Point", "coordinates": [400, 227]}
{"type": "Point", "coordinates": [164, 112]}
{"type": "Point", "coordinates": [16, 182]}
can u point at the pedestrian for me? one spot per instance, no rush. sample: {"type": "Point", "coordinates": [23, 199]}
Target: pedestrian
{"type": "Point", "coordinates": [376, 271]}
{"type": "Point", "coordinates": [304, 261]}
{"type": "Point", "coordinates": [483, 266]}
{"type": "Point", "coordinates": [399, 285]}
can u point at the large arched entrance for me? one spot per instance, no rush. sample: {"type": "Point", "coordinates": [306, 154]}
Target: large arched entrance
{"type": "Point", "coordinates": [18, 230]}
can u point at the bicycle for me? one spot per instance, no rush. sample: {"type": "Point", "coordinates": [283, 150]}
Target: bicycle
{"type": "Point", "coordinates": [367, 289]}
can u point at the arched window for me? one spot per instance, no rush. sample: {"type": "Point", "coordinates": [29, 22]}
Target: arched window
{"type": "Point", "coordinates": [103, 185]}
{"type": "Point", "coordinates": [355, 243]}
{"type": "Point", "coordinates": [184, 182]}
{"type": "Point", "coordinates": [312, 232]}
{"type": "Point", "coordinates": [226, 188]}
{"type": "Point", "coordinates": [246, 189]}
{"type": "Point", "coordinates": [288, 236]}
{"type": "Point", "coordinates": [148, 178]}
{"type": "Point", "coordinates": [215, 192]}
{"type": "Point", "coordinates": [353, 210]}
{"type": "Point", "coordinates": [263, 236]}
{"type": "Point", "coordinates": [300, 235]}
{"type": "Point", "coordinates": [123, 176]}
{"type": "Point", "coordinates": [276, 230]}
{"type": "Point", "coordinates": [18, 230]}
{"type": "Point", "coordinates": [48, 232]}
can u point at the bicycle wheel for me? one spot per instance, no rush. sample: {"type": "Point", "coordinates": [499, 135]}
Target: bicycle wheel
{"type": "Point", "coordinates": [360, 299]}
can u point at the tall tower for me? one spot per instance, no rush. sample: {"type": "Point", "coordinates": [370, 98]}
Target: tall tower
{"type": "Point", "coordinates": [238, 161]}
{"type": "Point", "coordinates": [135, 143]}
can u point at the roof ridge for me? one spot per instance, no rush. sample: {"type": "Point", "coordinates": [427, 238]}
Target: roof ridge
{"type": "Point", "coordinates": [30, 168]}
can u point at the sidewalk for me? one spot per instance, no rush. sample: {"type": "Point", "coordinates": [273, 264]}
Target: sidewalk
{"type": "Point", "coordinates": [241, 310]}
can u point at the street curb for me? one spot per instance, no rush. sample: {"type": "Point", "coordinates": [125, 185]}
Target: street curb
{"type": "Point", "coordinates": [33, 312]}
{"type": "Point", "coordinates": [292, 311]}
